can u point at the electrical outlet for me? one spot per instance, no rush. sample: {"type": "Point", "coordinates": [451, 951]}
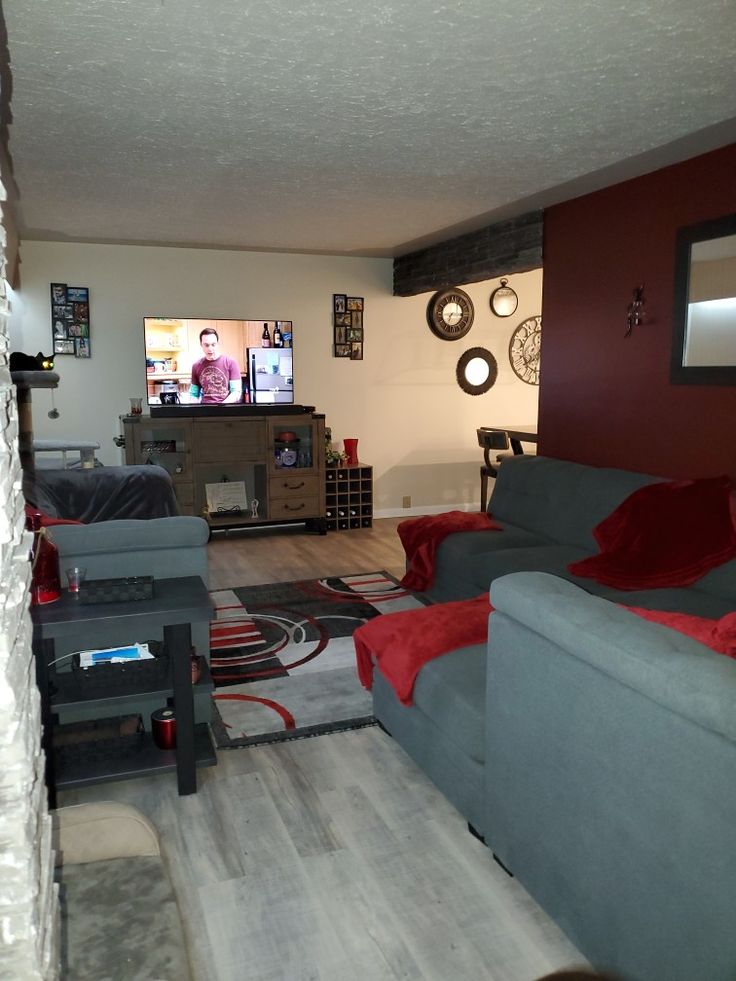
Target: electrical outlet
{"type": "Point", "coordinates": [406, 501]}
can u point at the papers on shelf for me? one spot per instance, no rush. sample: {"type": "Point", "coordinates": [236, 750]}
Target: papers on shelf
{"type": "Point", "coordinates": [225, 497]}
{"type": "Point", "coordinates": [114, 655]}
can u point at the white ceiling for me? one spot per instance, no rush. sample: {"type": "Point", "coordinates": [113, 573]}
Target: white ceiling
{"type": "Point", "coordinates": [365, 127]}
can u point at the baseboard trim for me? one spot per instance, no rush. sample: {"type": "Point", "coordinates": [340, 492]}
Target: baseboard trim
{"type": "Point", "coordinates": [424, 509]}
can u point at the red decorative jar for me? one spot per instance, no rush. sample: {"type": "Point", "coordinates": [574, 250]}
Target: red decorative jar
{"type": "Point", "coordinates": [45, 570]}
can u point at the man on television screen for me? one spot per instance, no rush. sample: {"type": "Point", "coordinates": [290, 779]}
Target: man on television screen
{"type": "Point", "coordinates": [215, 377]}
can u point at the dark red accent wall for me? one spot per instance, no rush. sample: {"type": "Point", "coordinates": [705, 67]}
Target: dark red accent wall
{"type": "Point", "coordinates": [605, 399]}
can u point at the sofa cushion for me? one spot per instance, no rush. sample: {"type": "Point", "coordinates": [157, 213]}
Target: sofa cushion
{"type": "Point", "coordinates": [482, 569]}
{"type": "Point", "coordinates": [458, 547]}
{"type": "Point", "coordinates": [719, 582]}
{"type": "Point", "coordinates": [560, 500]}
{"type": "Point", "coordinates": [451, 690]}
{"type": "Point", "coordinates": [667, 534]}
{"type": "Point", "coordinates": [686, 599]}
{"type": "Point", "coordinates": [452, 579]}
{"type": "Point", "coordinates": [421, 536]}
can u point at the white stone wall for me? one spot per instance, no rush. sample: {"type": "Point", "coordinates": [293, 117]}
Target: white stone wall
{"type": "Point", "coordinates": [28, 898]}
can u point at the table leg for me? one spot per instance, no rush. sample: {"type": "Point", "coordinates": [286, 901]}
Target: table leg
{"type": "Point", "coordinates": [178, 642]}
{"type": "Point", "coordinates": [43, 651]}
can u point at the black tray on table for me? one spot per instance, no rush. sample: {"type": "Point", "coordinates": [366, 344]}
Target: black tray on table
{"type": "Point", "coordinates": [123, 590]}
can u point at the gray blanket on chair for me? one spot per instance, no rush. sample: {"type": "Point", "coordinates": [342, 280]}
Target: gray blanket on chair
{"type": "Point", "coordinates": [102, 493]}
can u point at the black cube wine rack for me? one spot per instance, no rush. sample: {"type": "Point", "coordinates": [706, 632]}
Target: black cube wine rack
{"type": "Point", "coordinates": [349, 497]}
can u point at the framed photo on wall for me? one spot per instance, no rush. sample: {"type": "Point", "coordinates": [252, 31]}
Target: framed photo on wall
{"type": "Point", "coordinates": [70, 320]}
{"type": "Point", "coordinates": [347, 320]}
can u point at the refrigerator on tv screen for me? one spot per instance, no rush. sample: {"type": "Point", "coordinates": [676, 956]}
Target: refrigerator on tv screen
{"type": "Point", "coordinates": [270, 375]}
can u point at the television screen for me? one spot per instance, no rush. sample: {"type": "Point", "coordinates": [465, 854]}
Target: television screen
{"type": "Point", "coordinates": [218, 362]}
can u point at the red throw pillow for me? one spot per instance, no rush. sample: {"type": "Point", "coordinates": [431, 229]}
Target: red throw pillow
{"type": "Point", "coordinates": [47, 521]}
{"type": "Point", "coordinates": [665, 534]}
{"type": "Point", "coordinates": [719, 635]}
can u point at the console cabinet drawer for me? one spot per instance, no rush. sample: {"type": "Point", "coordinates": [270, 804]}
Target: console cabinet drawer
{"type": "Point", "coordinates": [293, 485]}
{"type": "Point", "coordinates": [297, 507]}
{"type": "Point", "coordinates": [217, 440]}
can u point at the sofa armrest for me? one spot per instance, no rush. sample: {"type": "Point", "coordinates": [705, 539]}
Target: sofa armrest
{"type": "Point", "coordinates": [664, 665]}
{"type": "Point", "coordinates": [130, 534]}
{"type": "Point", "coordinates": [162, 547]}
{"type": "Point", "coordinates": [96, 832]}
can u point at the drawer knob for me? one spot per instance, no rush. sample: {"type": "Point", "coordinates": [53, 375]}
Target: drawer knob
{"type": "Point", "coordinates": [289, 486]}
{"type": "Point", "coordinates": [296, 507]}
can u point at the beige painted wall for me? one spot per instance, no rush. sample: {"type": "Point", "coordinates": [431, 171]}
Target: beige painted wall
{"type": "Point", "coordinates": [415, 425]}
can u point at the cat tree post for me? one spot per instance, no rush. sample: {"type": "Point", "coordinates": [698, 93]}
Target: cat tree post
{"type": "Point", "coordinates": [25, 382]}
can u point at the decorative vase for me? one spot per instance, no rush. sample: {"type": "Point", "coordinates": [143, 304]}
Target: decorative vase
{"type": "Point", "coordinates": [351, 449]}
{"type": "Point", "coordinates": [45, 571]}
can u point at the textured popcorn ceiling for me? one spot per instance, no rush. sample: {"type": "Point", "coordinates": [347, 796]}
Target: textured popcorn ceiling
{"type": "Point", "coordinates": [358, 126]}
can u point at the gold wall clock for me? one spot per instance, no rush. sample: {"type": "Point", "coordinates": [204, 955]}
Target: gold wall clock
{"type": "Point", "coordinates": [450, 314]}
{"type": "Point", "coordinates": [524, 350]}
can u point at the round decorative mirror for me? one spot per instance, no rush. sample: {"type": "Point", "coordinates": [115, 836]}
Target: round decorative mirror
{"type": "Point", "coordinates": [504, 300]}
{"type": "Point", "coordinates": [476, 371]}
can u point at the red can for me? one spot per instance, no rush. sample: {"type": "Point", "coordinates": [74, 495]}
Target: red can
{"type": "Point", "coordinates": [163, 728]}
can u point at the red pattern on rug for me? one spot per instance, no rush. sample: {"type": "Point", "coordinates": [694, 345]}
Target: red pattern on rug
{"type": "Point", "coordinates": [288, 718]}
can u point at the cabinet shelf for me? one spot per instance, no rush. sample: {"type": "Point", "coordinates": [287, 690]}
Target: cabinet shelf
{"type": "Point", "coordinates": [123, 758]}
{"type": "Point", "coordinates": [69, 693]}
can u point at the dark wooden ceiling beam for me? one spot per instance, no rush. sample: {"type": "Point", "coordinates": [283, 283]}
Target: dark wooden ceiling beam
{"type": "Point", "coordinates": [507, 247]}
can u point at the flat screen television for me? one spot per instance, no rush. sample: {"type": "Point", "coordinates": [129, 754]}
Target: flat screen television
{"type": "Point", "coordinates": [197, 361]}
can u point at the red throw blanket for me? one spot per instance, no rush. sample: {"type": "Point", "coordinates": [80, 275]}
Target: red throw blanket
{"type": "Point", "coordinates": [664, 534]}
{"type": "Point", "coordinates": [421, 536]}
{"type": "Point", "coordinates": [401, 643]}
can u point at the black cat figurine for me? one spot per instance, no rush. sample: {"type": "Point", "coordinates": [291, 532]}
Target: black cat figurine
{"type": "Point", "coordinates": [30, 362]}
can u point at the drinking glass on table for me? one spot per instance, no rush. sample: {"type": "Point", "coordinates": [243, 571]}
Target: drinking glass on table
{"type": "Point", "coordinates": [75, 577]}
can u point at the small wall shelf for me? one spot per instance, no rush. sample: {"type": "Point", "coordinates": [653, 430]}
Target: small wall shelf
{"type": "Point", "coordinates": [349, 497]}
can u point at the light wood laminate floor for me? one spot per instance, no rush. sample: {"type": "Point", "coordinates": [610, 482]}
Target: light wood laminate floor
{"type": "Point", "coordinates": [253, 556]}
{"type": "Point", "coordinates": [334, 857]}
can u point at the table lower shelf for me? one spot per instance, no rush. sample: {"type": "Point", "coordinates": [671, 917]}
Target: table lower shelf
{"type": "Point", "coordinates": [123, 758]}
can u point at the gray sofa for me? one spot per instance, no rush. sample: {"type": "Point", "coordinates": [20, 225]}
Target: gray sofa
{"type": "Point", "coordinates": [593, 750]}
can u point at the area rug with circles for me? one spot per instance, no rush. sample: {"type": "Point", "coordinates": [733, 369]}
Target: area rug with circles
{"type": "Point", "coordinates": [282, 656]}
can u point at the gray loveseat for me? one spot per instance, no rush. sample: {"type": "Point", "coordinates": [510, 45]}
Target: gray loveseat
{"type": "Point", "coordinates": [593, 750]}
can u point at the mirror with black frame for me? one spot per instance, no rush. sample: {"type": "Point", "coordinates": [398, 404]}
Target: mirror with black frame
{"type": "Point", "coordinates": [476, 371]}
{"type": "Point", "coordinates": [704, 334]}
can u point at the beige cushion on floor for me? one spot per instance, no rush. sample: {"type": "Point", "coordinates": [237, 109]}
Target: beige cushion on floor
{"type": "Point", "coordinates": [96, 832]}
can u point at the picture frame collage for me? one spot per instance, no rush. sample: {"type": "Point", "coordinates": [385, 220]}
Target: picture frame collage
{"type": "Point", "coordinates": [347, 312]}
{"type": "Point", "coordinates": [70, 327]}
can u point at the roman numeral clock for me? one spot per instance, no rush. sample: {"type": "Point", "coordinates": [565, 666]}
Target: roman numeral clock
{"type": "Point", "coordinates": [524, 350]}
{"type": "Point", "coordinates": [450, 314]}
